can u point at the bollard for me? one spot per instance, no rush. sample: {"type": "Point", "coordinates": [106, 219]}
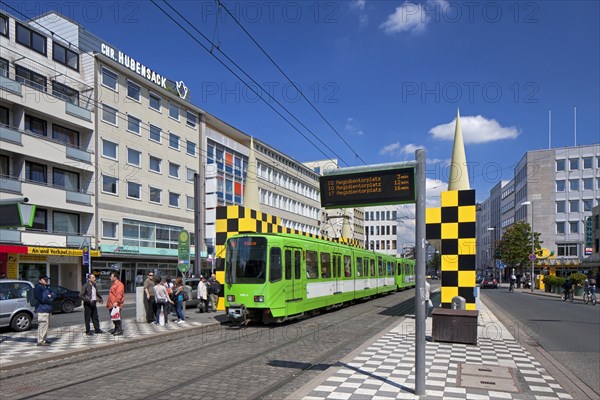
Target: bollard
{"type": "Point", "coordinates": [459, 303]}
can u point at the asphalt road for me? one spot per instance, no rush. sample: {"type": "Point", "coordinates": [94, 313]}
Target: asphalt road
{"type": "Point", "coordinates": [569, 332]}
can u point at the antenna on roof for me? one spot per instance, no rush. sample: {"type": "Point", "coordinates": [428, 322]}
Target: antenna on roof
{"type": "Point", "coordinates": [549, 129]}
{"type": "Point", "coordinates": [575, 124]}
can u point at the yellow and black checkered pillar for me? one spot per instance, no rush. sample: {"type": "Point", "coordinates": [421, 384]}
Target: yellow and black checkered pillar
{"type": "Point", "coordinates": [453, 227]}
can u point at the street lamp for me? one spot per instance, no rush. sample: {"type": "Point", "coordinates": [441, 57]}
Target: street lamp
{"type": "Point", "coordinates": [494, 251]}
{"type": "Point", "coordinates": [532, 255]}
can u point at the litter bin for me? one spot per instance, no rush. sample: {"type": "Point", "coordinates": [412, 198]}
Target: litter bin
{"type": "Point", "coordinates": [459, 303]}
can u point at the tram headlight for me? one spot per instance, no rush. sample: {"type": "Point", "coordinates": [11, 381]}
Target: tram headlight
{"type": "Point", "coordinates": [259, 299]}
{"type": "Point", "coordinates": [230, 298]}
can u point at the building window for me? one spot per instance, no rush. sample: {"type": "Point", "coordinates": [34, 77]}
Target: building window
{"type": "Point", "coordinates": [174, 111]}
{"type": "Point", "coordinates": [30, 78]}
{"type": "Point", "coordinates": [4, 166]}
{"type": "Point", "coordinates": [31, 39]}
{"type": "Point", "coordinates": [65, 56]}
{"type": "Point", "coordinates": [189, 202]}
{"type": "Point", "coordinates": [566, 249]}
{"type": "Point", "coordinates": [573, 164]}
{"type": "Point", "coordinates": [109, 184]}
{"type": "Point", "coordinates": [35, 125]}
{"type": "Point", "coordinates": [134, 157]}
{"type": "Point", "coordinates": [560, 207]}
{"type": "Point", "coordinates": [574, 227]}
{"type": "Point", "coordinates": [155, 133]}
{"type": "Point", "coordinates": [133, 124]}
{"type": "Point", "coordinates": [35, 172]}
{"type": "Point", "coordinates": [191, 148]}
{"type": "Point", "coordinates": [174, 199]}
{"type": "Point", "coordinates": [560, 227]}
{"type": "Point", "coordinates": [560, 186]}
{"type": "Point", "coordinates": [155, 195]}
{"type": "Point", "coordinates": [109, 79]}
{"type": "Point", "coordinates": [63, 222]}
{"type": "Point", "coordinates": [154, 101]}
{"type": "Point", "coordinates": [3, 25]}
{"type": "Point", "coordinates": [574, 185]}
{"type": "Point", "coordinates": [134, 190]}
{"type": "Point", "coordinates": [110, 230]}
{"type": "Point", "coordinates": [4, 116]}
{"type": "Point", "coordinates": [146, 234]}
{"type": "Point", "coordinates": [573, 205]}
{"type": "Point", "coordinates": [133, 91]}
{"type": "Point", "coordinates": [65, 135]}
{"type": "Point", "coordinates": [66, 93]}
{"type": "Point", "coordinates": [155, 164]}
{"type": "Point", "coordinates": [587, 162]}
{"type": "Point", "coordinates": [173, 141]}
{"type": "Point", "coordinates": [65, 179]}
{"type": "Point", "coordinates": [588, 204]}
{"type": "Point", "coordinates": [192, 120]}
{"type": "Point", "coordinates": [109, 149]}
{"type": "Point", "coordinates": [3, 67]}
{"type": "Point", "coordinates": [109, 114]}
{"type": "Point", "coordinates": [173, 170]}
{"type": "Point", "coordinates": [190, 175]}
{"type": "Point", "coordinates": [40, 220]}
{"type": "Point", "coordinates": [588, 184]}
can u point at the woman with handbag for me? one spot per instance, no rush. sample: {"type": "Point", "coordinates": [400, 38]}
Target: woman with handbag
{"type": "Point", "coordinates": [162, 300]}
{"type": "Point", "coordinates": [116, 298]}
{"type": "Point", "coordinates": [179, 299]}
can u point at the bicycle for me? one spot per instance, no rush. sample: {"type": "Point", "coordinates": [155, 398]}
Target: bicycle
{"type": "Point", "coordinates": [569, 295]}
{"type": "Point", "coordinates": [511, 288]}
{"type": "Point", "coordinates": [587, 297]}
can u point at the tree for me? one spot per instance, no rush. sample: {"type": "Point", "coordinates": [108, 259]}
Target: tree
{"type": "Point", "coordinates": [434, 263]}
{"type": "Point", "coordinates": [515, 246]}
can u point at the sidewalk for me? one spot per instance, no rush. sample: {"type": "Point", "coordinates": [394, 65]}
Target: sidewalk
{"type": "Point", "coordinates": [498, 368]}
{"type": "Point", "coordinates": [18, 349]}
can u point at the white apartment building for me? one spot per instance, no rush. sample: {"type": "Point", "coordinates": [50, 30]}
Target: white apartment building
{"type": "Point", "coordinates": [47, 146]}
{"type": "Point", "coordinates": [381, 229]}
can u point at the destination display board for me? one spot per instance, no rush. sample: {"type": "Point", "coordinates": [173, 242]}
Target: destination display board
{"type": "Point", "coordinates": [391, 186]}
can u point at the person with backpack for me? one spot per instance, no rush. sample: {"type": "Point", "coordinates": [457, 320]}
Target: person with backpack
{"type": "Point", "coordinates": [590, 285]}
{"type": "Point", "coordinates": [214, 287]}
{"type": "Point", "coordinates": [44, 297]}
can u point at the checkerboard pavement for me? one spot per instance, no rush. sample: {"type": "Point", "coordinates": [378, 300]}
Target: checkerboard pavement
{"type": "Point", "coordinates": [20, 347]}
{"type": "Point", "coordinates": [386, 368]}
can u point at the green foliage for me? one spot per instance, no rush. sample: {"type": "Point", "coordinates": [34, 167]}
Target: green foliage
{"type": "Point", "coordinates": [434, 263]}
{"type": "Point", "coordinates": [577, 278]}
{"type": "Point", "coordinates": [553, 280]}
{"type": "Point", "coordinates": [515, 245]}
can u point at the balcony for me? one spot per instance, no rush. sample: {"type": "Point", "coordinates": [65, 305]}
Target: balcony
{"type": "Point", "coordinates": [10, 236]}
{"type": "Point", "coordinates": [49, 239]}
{"type": "Point", "coordinates": [43, 147]}
{"type": "Point", "coordinates": [10, 86]}
{"type": "Point", "coordinates": [9, 184]}
{"type": "Point", "coordinates": [43, 195]}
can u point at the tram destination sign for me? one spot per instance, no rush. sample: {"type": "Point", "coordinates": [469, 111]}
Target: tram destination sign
{"type": "Point", "coordinates": [368, 188]}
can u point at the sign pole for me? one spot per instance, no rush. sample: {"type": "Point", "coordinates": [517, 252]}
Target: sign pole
{"type": "Point", "coordinates": [420, 274]}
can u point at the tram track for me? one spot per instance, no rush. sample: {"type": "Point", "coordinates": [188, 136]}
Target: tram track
{"type": "Point", "coordinates": [195, 348]}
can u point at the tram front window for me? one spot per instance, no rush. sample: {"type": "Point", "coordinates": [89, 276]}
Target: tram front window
{"type": "Point", "coordinates": [246, 260]}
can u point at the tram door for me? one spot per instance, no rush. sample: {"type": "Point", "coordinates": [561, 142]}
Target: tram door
{"type": "Point", "coordinates": [337, 273]}
{"type": "Point", "coordinates": [294, 292]}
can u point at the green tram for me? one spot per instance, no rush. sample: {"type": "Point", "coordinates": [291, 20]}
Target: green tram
{"type": "Point", "coordinates": [275, 277]}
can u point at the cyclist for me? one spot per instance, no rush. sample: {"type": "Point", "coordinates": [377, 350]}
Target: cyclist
{"type": "Point", "coordinates": [567, 286]}
{"type": "Point", "coordinates": [590, 285]}
{"type": "Point", "coordinates": [513, 281]}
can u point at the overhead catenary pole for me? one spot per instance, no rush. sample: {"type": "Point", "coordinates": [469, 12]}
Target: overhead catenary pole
{"type": "Point", "coordinates": [420, 273]}
{"type": "Point", "coordinates": [197, 223]}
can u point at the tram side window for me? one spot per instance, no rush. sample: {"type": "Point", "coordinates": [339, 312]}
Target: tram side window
{"type": "Point", "coordinates": [372, 262]}
{"type": "Point", "coordinates": [297, 264]}
{"type": "Point", "coordinates": [275, 264]}
{"type": "Point", "coordinates": [399, 269]}
{"type": "Point", "coordinates": [380, 266]}
{"type": "Point", "coordinates": [325, 265]}
{"type": "Point", "coordinates": [347, 266]}
{"type": "Point", "coordinates": [390, 269]}
{"type": "Point", "coordinates": [359, 266]}
{"type": "Point", "coordinates": [312, 267]}
{"type": "Point", "coordinates": [288, 265]}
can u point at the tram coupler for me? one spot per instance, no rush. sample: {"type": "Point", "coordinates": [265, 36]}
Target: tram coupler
{"type": "Point", "coordinates": [237, 314]}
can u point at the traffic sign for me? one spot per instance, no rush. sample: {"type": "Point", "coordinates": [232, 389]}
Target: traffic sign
{"type": "Point", "coordinates": [532, 257]}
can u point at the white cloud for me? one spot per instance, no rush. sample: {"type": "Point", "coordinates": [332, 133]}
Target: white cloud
{"type": "Point", "coordinates": [353, 128]}
{"type": "Point", "coordinates": [358, 4]}
{"type": "Point", "coordinates": [358, 7]}
{"type": "Point", "coordinates": [413, 18]}
{"type": "Point", "coordinates": [476, 129]}
{"type": "Point", "coordinates": [395, 149]}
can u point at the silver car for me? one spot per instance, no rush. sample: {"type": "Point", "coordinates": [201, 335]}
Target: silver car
{"type": "Point", "coordinates": [16, 304]}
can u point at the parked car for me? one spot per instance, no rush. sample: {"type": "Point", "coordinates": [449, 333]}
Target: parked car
{"type": "Point", "coordinates": [16, 304]}
{"type": "Point", "coordinates": [489, 282]}
{"type": "Point", "coordinates": [192, 291]}
{"type": "Point", "coordinates": [66, 299]}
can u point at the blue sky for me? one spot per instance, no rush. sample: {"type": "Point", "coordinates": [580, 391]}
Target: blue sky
{"type": "Point", "coordinates": [389, 76]}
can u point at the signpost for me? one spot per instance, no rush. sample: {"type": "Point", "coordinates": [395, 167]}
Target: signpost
{"type": "Point", "coordinates": [183, 253]}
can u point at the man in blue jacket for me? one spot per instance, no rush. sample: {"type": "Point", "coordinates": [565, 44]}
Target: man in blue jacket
{"type": "Point", "coordinates": [43, 308]}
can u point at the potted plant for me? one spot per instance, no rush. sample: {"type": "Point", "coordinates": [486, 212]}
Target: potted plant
{"type": "Point", "coordinates": [547, 280]}
{"type": "Point", "coordinates": [557, 285]}
{"type": "Point", "coordinates": [577, 280]}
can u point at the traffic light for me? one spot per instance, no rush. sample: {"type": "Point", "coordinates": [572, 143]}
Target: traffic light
{"type": "Point", "coordinates": [497, 254]}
